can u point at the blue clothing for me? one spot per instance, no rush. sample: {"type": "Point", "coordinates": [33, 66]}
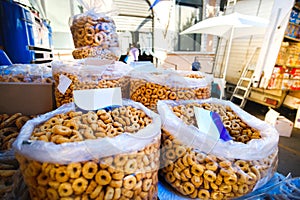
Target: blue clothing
{"type": "Point", "coordinates": [196, 66]}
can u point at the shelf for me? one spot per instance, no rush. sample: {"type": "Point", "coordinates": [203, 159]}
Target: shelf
{"type": "Point", "coordinates": [290, 66]}
{"type": "Point", "coordinates": [263, 103]}
{"type": "Point", "coordinates": [287, 66]}
{"type": "Point", "coordinates": [294, 23]}
{"type": "Point", "coordinates": [266, 96]}
{"type": "Point", "coordinates": [291, 38]}
{"type": "Point", "coordinates": [273, 92]}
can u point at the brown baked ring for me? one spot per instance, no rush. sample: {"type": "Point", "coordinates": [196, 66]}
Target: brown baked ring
{"type": "Point", "coordinates": [188, 188]}
{"type": "Point", "coordinates": [61, 174]}
{"type": "Point", "coordinates": [79, 185]}
{"type": "Point", "coordinates": [103, 177]}
{"type": "Point", "coordinates": [129, 182]}
{"type": "Point", "coordinates": [203, 194]}
{"type": "Point", "coordinates": [209, 175]}
{"type": "Point", "coordinates": [197, 169]}
{"type": "Point", "coordinates": [65, 189]}
{"type": "Point", "coordinates": [89, 169]}
{"type": "Point", "coordinates": [74, 170]}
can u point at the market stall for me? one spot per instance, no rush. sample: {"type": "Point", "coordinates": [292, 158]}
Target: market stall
{"type": "Point", "coordinates": [97, 128]}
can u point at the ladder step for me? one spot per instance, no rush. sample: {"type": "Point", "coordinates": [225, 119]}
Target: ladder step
{"type": "Point", "coordinates": [241, 88]}
{"type": "Point", "coordinates": [238, 96]}
{"type": "Point", "coordinates": [245, 79]}
{"type": "Point", "coordinates": [231, 2]}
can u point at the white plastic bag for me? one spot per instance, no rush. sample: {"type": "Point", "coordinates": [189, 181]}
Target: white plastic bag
{"type": "Point", "coordinates": [94, 31]}
{"type": "Point", "coordinates": [198, 166]}
{"type": "Point", "coordinates": [93, 168]}
{"type": "Point", "coordinates": [149, 87]}
{"type": "Point", "coordinates": [86, 150]}
{"type": "Point", "coordinates": [88, 74]}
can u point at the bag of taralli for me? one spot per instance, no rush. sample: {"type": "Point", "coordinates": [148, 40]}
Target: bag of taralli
{"type": "Point", "coordinates": [200, 166]}
{"type": "Point", "coordinates": [150, 87]}
{"type": "Point", "coordinates": [94, 31]}
{"type": "Point", "coordinates": [88, 74]}
{"type": "Point", "coordinates": [110, 153]}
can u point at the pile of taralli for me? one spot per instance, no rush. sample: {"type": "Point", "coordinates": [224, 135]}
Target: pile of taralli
{"type": "Point", "coordinates": [150, 87]}
{"type": "Point", "coordinates": [198, 167]}
{"type": "Point", "coordinates": [110, 153]}
{"type": "Point", "coordinates": [83, 76]}
{"type": "Point", "coordinates": [94, 35]}
{"type": "Point", "coordinates": [10, 126]}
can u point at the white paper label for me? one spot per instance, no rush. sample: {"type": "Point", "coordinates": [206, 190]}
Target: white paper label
{"type": "Point", "coordinates": [64, 83]}
{"type": "Point", "coordinates": [207, 126]}
{"type": "Point", "coordinates": [97, 98]}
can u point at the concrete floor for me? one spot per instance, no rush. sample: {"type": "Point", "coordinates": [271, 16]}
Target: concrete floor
{"type": "Point", "coordinates": [289, 147]}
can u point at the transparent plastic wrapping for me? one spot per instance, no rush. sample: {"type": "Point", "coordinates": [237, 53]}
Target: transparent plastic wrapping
{"type": "Point", "coordinates": [122, 166]}
{"type": "Point", "coordinates": [198, 167]}
{"type": "Point", "coordinates": [80, 76]}
{"type": "Point", "coordinates": [8, 170]}
{"type": "Point", "coordinates": [149, 87]}
{"type": "Point", "coordinates": [26, 73]}
{"type": "Point", "coordinates": [94, 32]}
{"type": "Point", "coordinates": [10, 126]}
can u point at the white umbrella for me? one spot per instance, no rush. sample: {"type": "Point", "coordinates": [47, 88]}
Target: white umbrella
{"type": "Point", "coordinates": [230, 26]}
{"type": "Point", "coordinates": [238, 24]}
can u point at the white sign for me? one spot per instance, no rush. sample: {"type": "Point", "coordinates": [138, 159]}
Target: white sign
{"type": "Point", "coordinates": [97, 98]}
{"type": "Point", "coordinates": [206, 125]}
{"type": "Point", "coordinates": [64, 83]}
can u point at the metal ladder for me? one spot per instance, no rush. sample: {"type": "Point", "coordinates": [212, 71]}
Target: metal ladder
{"type": "Point", "coordinates": [230, 6]}
{"type": "Point", "coordinates": [242, 90]}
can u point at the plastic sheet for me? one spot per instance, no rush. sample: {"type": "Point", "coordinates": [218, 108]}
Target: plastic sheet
{"type": "Point", "coordinates": [199, 167]}
{"type": "Point", "coordinates": [105, 168]}
{"type": "Point", "coordinates": [149, 87]}
{"type": "Point", "coordinates": [270, 190]}
{"type": "Point", "coordinates": [94, 32]}
{"type": "Point", "coordinates": [27, 73]}
{"type": "Point", "coordinates": [83, 75]}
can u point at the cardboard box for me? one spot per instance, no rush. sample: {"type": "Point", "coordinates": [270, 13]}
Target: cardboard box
{"type": "Point", "coordinates": [283, 125]}
{"type": "Point", "coordinates": [26, 98]}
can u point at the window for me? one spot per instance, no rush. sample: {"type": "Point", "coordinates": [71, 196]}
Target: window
{"type": "Point", "coordinates": [188, 13]}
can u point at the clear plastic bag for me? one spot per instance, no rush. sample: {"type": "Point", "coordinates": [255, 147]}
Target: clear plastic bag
{"type": "Point", "coordinates": [94, 32]}
{"type": "Point", "coordinates": [110, 167]}
{"type": "Point", "coordinates": [149, 87]}
{"type": "Point", "coordinates": [82, 75]}
{"type": "Point", "coordinates": [199, 167]}
{"type": "Point", "coordinates": [26, 73]}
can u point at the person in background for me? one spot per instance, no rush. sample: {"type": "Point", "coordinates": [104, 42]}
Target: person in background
{"type": "Point", "coordinates": [134, 52]}
{"type": "Point", "coordinates": [196, 66]}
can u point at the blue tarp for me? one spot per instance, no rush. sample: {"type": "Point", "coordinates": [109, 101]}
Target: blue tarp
{"type": "Point", "coordinates": [279, 187]}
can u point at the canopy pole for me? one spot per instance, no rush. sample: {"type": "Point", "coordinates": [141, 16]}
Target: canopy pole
{"type": "Point", "coordinates": [226, 64]}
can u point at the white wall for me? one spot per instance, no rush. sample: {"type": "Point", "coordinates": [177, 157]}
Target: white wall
{"type": "Point", "coordinates": [242, 48]}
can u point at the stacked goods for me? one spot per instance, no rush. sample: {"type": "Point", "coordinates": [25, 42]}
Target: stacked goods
{"type": "Point", "coordinates": [199, 167]}
{"type": "Point", "coordinates": [94, 35]}
{"type": "Point", "coordinates": [150, 87]}
{"type": "Point", "coordinates": [292, 55]}
{"type": "Point", "coordinates": [10, 126]}
{"type": "Point", "coordinates": [32, 73]}
{"type": "Point", "coordinates": [110, 153]}
{"type": "Point", "coordinates": [26, 88]}
{"type": "Point", "coordinates": [80, 76]}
